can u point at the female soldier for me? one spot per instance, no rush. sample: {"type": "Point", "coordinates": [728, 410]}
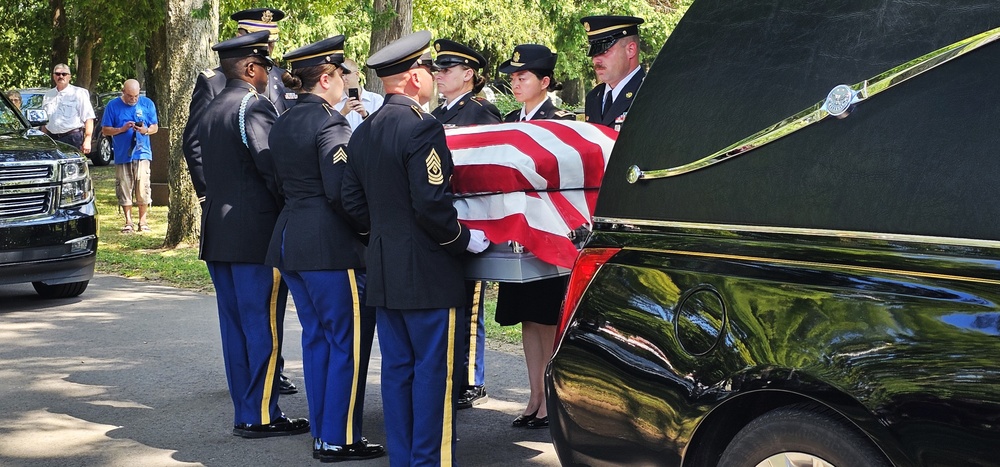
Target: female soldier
{"type": "Point", "coordinates": [317, 251]}
{"type": "Point", "coordinates": [533, 304]}
{"type": "Point", "coordinates": [459, 80]}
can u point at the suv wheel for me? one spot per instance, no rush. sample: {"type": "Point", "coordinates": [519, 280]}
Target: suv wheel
{"type": "Point", "coordinates": [104, 154]}
{"type": "Point", "coordinates": [800, 435]}
{"type": "Point", "coordinates": [71, 289]}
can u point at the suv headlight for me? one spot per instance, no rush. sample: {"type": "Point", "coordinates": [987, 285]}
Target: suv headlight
{"type": "Point", "coordinates": [76, 186]}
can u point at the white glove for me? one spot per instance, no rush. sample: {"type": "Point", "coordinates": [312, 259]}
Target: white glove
{"type": "Point", "coordinates": [477, 241]}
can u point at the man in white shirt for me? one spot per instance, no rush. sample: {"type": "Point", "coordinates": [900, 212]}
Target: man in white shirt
{"type": "Point", "coordinates": [356, 110]}
{"type": "Point", "coordinates": [71, 116]}
{"type": "Point", "coordinates": [614, 51]}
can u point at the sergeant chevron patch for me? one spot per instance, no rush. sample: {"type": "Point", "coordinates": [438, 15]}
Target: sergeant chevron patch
{"type": "Point", "coordinates": [434, 174]}
{"type": "Point", "coordinates": [340, 156]}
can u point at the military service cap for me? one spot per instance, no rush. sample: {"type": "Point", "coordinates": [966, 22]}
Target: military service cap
{"type": "Point", "coordinates": [259, 19]}
{"type": "Point", "coordinates": [244, 46]}
{"type": "Point", "coordinates": [451, 53]}
{"type": "Point", "coordinates": [604, 31]}
{"type": "Point", "coordinates": [529, 57]}
{"type": "Point", "coordinates": [402, 54]}
{"type": "Point", "coordinates": [329, 50]}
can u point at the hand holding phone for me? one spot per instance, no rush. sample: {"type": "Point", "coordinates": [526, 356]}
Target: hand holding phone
{"type": "Point", "coordinates": [353, 93]}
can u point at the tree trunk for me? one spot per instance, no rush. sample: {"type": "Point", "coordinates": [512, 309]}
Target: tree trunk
{"type": "Point", "coordinates": [60, 33]}
{"type": "Point", "coordinates": [191, 29]}
{"type": "Point", "coordinates": [393, 19]}
{"type": "Point", "coordinates": [85, 61]}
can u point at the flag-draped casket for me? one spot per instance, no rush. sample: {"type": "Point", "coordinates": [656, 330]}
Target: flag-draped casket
{"type": "Point", "coordinates": [531, 183]}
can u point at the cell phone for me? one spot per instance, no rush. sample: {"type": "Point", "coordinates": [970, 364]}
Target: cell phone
{"type": "Point", "coordinates": [353, 93]}
{"type": "Point", "coordinates": [138, 123]}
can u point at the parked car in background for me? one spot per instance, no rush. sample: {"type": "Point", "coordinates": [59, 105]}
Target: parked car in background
{"type": "Point", "coordinates": [101, 148]}
{"type": "Point", "coordinates": [766, 284]}
{"type": "Point", "coordinates": [48, 218]}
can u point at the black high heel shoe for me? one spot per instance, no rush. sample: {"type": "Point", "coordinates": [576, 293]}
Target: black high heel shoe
{"type": "Point", "coordinates": [524, 420]}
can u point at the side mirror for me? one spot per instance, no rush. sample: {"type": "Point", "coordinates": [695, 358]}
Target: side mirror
{"type": "Point", "coordinates": [36, 117]}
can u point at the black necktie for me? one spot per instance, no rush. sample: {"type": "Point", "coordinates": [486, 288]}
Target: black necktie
{"type": "Point", "coordinates": [607, 104]}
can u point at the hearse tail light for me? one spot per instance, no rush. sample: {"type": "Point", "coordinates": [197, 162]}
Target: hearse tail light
{"type": "Point", "coordinates": [587, 265]}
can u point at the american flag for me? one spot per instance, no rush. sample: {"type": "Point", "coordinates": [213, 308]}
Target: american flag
{"type": "Point", "coordinates": [530, 182]}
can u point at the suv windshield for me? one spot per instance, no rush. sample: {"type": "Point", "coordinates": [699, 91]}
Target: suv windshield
{"type": "Point", "coordinates": [10, 121]}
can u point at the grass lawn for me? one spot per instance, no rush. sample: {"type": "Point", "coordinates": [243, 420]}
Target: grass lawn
{"type": "Point", "coordinates": [142, 256]}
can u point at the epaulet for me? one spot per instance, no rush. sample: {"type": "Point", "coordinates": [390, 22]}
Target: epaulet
{"type": "Point", "coordinates": [418, 110]}
{"type": "Point", "coordinates": [564, 113]}
{"type": "Point", "coordinates": [208, 72]}
{"type": "Point", "coordinates": [478, 100]}
{"type": "Point", "coordinates": [328, 108]}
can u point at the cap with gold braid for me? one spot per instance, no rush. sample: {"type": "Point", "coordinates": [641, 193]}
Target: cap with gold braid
{"type": "Point", "coordinates": [529, 57]}
{"type": "Point", "coordinates": [402, 54]}
{"type": "Point", "coordinates": [259, 19]}
{"type": "Point", "coordinates": [329, 50]}
{"type": "Point", "coordinates": [244, 46]}
{"type": "Point", "coordinates": [451, 53]}
{"type": "Point", "coordinates": [604, 31]}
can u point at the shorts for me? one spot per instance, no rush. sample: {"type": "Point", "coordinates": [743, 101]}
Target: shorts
{"type": "Point", "coordinates": [133, 179]}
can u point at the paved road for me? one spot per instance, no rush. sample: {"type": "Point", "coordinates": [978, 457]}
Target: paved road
{"type": "Point", "coordinates": [130, 374]}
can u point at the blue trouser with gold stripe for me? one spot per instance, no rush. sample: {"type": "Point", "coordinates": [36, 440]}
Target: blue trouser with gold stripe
{"type": "Point", "coordinates": [475, 335]}
{"type": "Point", "coordinates": [418, 359]}
{"type": "Point", "coordinates": [251, 300]}
{"type": "Point", "coordinates": [337, 334]}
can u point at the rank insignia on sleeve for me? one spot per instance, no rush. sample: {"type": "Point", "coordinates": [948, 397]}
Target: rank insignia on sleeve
{"type": "Point", "coordinates": [434, 174]}
{"type": "Point", "coordinates": [340, 156]}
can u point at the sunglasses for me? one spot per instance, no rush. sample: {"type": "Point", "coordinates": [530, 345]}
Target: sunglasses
{"type": "Point", "coordinates": [265, 66]}
{"type": "Point", "coordinates": [59, 73]}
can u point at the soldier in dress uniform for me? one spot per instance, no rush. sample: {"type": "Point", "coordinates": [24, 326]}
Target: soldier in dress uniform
{"type": "Point", "coordinates": [315, 247]}
{"type": "Point", "coordinates": [535, 305]}
{"type": "Point", "coordinates": [614, 50]}
{"type": "Point", "coordinates": [398, 182]}
{"type": "Point", "coordinates": [241, 206]}
{"type": "Point", "coordinates": [209, 84]}
{"type": "Point", "coordinates": [531, 68]}
{"type": "Point", "coordinates": [459, 80]}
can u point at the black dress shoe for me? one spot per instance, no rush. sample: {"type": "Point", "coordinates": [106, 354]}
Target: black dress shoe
{"type": "Point", "coordinates": [474, 395]}
{"type": "Point", "coordinates": [350, 452]}
{"type": "Point", "coordinates": [285, 385]}
{"type": "Point", "coordinates": [283, 426]}
{"type": "Point", "coordinates": [523, 420]}
{"type": "Point", "coordinates": [537, 423]}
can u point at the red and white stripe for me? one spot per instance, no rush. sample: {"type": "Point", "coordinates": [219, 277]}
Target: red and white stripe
{"type": "Point", "coordinates": [530, 182]}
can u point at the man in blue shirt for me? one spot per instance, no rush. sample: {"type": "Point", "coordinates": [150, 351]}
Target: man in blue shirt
{"type": "Point", "coordinates": [129, 120]}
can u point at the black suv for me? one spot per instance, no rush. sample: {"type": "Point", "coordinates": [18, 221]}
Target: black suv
{"type": "Point", "coordinates": [768, 284]}
{"type": "Point", "coordinates": [48, 219]}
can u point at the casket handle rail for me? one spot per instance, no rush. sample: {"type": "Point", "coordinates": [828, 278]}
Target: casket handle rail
{"type": "Point", "coordinates": [838, 103]}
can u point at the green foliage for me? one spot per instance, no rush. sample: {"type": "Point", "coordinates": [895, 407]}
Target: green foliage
{"type": "Point", "coordinates": [25, 44]}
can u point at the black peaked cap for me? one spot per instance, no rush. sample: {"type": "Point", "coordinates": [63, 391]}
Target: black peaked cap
{"type": "Point", "coordinates": [604, 31]}
{"type": "Point", "coordinates": [329, 50]}
{"type": "Point", "coordinates": [402, 54]}
{"type": "Point", "coordinates": [246, 45]}
{"type": "Point", "coordinates": [529, 57]}
{"type": "Point", "coordinates": [451, 53]}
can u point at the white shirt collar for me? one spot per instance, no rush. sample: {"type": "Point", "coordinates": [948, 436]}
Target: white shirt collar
{"type": "Point", "coordinates": [621, 84]}
{"type": "Point", "coordinates": [530, 115]}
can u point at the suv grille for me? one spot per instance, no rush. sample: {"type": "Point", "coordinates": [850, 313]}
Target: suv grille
{"type": "Point", "coordinates": [25, 172]}
{"type": "Point", "coordinates": [24, 202]}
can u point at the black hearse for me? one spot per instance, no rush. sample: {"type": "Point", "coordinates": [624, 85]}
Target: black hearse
{"type": "Point", "coordinates": [769, 284]}
{"type": "Point", "coordinates": [48, 219]}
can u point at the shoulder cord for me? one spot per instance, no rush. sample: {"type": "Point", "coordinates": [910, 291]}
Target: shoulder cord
{"type": "Point", "coordinates": [243, 118]}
